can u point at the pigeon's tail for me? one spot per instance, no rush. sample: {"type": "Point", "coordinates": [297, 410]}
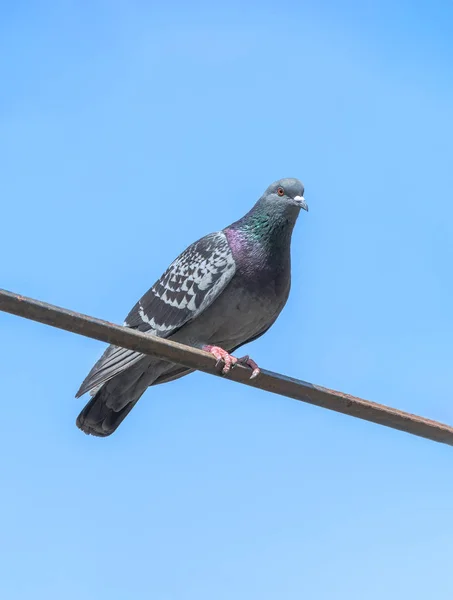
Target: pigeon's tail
{"type": "Point", "coordinates": [114, 399]}
{"type": "Point", "coordinates": [99, 418]}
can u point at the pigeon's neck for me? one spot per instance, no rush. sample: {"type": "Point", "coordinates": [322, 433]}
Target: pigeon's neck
{"type": "Point", "coordinates": [263, 232]}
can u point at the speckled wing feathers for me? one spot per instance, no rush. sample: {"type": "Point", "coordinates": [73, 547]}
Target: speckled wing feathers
{"type": "Point", "coordinates": [186, 289]}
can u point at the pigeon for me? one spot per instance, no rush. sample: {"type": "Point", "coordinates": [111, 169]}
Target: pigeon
{"type": "Point", "coordinates": [223, 291]}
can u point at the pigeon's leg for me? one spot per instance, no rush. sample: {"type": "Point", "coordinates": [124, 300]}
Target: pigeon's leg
{"type": "Point", "coordinates": [231, 361]}
{"type": "Point", "coordinates": [249, 362]}
{"type": "Point", "coordinates": [222, 356]}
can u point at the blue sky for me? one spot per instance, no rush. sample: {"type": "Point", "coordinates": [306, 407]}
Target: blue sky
{"type": "Point", "coordinates": [130, 129]}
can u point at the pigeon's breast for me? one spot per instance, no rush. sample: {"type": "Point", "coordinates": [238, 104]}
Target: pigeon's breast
{"type": "Point", "coordinates": [250, 302]}
{"type": "Point", "coordinates": [242, 312]}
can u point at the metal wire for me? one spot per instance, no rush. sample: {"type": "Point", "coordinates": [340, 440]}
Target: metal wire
{"type": "Point", "coordinates": [202, 361]}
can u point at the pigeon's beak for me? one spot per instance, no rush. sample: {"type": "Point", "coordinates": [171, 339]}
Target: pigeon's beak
{"type": "Point", "coordinates": [300, 201]}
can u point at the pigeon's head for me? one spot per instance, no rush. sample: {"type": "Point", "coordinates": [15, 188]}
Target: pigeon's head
{"type": "Point", "coordinates": [287, 194]}
{"type": "Point", "coordinates": [277, 209]}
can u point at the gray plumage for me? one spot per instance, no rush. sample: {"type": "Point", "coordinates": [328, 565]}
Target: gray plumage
{"type": "Point", "coordinates": [224, 290]}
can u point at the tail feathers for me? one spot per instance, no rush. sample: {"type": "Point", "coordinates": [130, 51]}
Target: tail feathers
{"type": "Point", "coordinates": [98, 419]}
{"type": "Point", "coordinates": [115, 398]}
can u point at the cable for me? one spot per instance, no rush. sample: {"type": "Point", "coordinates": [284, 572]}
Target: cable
{"type": "Point", "coordinates": [202, 361]}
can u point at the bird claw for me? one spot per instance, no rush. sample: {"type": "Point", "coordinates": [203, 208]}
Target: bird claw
{"type": "Point", "coordinates": [231, 361]}
{"type": "Point", "coordinates": [222, 355]}
{"type": "Point", "coordinates": [249, 362]}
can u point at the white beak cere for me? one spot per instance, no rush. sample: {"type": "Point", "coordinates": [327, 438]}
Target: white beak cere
{"type": "Point", "coordinates": [300, 200]}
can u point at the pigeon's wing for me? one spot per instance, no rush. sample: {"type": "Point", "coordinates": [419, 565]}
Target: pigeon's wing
{"type": "Point", "coordinates": [190, 284]}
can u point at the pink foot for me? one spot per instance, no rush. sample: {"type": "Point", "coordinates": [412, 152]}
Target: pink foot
{"type": "Point", "coordinates": [231, 361]}
{"type": "Point", "coordinates": [249, 362]}
{"type": "Point", "coordinates": [222, 355]}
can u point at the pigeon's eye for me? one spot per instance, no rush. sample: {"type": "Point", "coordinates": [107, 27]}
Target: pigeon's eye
{"type": "Point", "coordinates": [281, 191]}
